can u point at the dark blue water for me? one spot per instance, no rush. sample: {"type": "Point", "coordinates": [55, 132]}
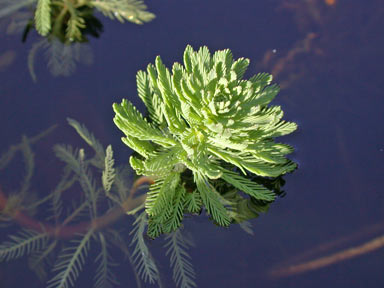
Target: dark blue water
{"type": "Point", "coordinates": [328, 60]}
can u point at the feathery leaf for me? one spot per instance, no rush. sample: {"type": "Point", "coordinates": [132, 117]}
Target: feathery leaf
{"type": "Point", "coordinates": [142, 258]}
{"type": "Point", "coordinates": [104, 278]}
{"type": "Point", "coordinates": [70, 262]}
{"type": "Point", "coordinates": [183, 272]}
{"type": "Point", "coordinates": [130, 10]}
{"type": "Point", "coordinates": [22, 244]}
{"type": "Point", "coordinates": [43, 17]}
{"type": "Point", "coordinates": [91, 141]}
{"type": "Point", "coordinates": [109, 174]}
{"type": "Point", "coordinates": [211, 200]}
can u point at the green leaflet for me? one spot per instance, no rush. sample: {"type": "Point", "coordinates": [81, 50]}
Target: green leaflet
{"type": "Point", "coordinates": [208, 121]}
{"type": "Point", "coordinates": [158, 203]}
{"type": "Point", "coordinates": [193, 202]}
{"type": "Point", "coordinates": [211, 200]}
{"type": "Point", "coordinates": [74, 27]}
{"type": "Point", "coordinates": [131, 121]}
{"type": "Point", "coordinates": [176, 211]}
{"type": "Point", "coordinates": [43, 17]}
{"type": "Point", "coordinates": [247, 186]}
{"type": "Point", "coordinates": [129, 10]}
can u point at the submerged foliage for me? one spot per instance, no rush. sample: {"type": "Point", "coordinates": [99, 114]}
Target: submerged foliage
{"type": "Point", "coordinates": [209, 135]}
{"type": "Point", "coordinates": [82, 231]}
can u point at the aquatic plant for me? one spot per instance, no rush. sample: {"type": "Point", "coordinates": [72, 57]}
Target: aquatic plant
{"type": "Point", "coordinates": [72, 20]}
{"type": "Point", "coordinates": [208, 143]}
{"type": "Point", "coordinates": [84, 224]}
{"type": "Point", "coordinates": [66, 25]}
{"type": "Point", "coordinates": [209, 135]}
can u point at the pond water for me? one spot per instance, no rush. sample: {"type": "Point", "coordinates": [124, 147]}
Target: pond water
{"type": "Point", "coordinates": [326, 56]}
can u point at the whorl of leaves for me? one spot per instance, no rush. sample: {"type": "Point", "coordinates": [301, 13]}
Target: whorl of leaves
{"type": "Point", "coordinates": [208, 125]}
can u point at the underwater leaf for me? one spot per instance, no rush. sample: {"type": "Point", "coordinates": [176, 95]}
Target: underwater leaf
{"type": "Point", "coordinates": [66, 182]}
{"type": "Point", "coordinates": [123, 183]}
{"type": "Point", "coordinates": [68, 155]}
{"type": "Point", "coordinates": [63, 58]}
{"type": "Point", "coordinates": [31, 56]}
{"type": "Point", "coordinates": [183, 272]}
{"type": "Point", "coordinates": [89, 187]}
{"type": "Point", "coordinates": [109, 174]}
{"type": "Point", "coordinates": [247, 227]}
{"type": "Point", "coordinates": [104, 278]}
{"type": "Point", "coordinates": [70, 262]}
{"type": "Point", "coordinates": [7, 156]}
{"type": "Point", "coordinates": [26, 242]}
{"type": "Point", "coordinates": [41, 261]}
{"type": "Point", "coordinates": [75, 161]}
{"type": "Point", "coordinates": [91, 141]}
{"type": "Point", "coordinates": [142, 258]}
{"type": "Point", "coordinates": [243, 209]}
{"type": "Point", "coordinates": [43, 17]}
{"type": "Point", "coordinates": [29, 165]}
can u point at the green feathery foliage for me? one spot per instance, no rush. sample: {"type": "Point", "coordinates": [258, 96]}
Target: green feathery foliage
{"type": "Point", "coordinates": [43, 17]}
{"type": "Point", "coordinates": [69, 20]}
{"type": "Point", "coordinates": [66, 24]}
{"type": "Point", "coordinates": [130, 10]}
{"type": "Point", "coordinates": [207, 128]}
